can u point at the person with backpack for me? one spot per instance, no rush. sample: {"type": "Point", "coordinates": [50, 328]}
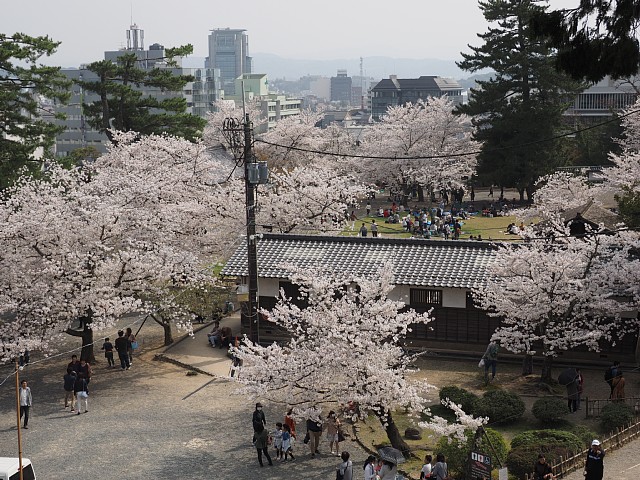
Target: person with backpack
{"type": "Point", "coordinates": [345, 469]}
{"type": "Point", "coordinates": [610, 374]}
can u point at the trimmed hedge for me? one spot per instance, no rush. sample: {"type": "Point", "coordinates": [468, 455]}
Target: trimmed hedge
{"type": "Point", "coordinates": [549, 410]}
{"type": "Point", "coordinates": [615, 415]}
{"type": "Point", "coordinates": [526, 446]}
{"type": "Point", "coordinates": [500, 406]}
{"type": "Point", "coordinates": [457, 454]}
{"type": "Point", "coordinates": [460, 396]}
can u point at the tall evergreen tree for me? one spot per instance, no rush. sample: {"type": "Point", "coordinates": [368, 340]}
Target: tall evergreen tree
{"type": "Point", "coordinates": [595, 39]}
{"type": "Point", "coordinates": [520, 107]}
{"type": "Point", "coordinates": [124, 106]}
{"type": "Point", "coordinates": [23, 83]}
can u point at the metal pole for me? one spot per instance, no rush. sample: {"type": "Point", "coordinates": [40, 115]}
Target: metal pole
{"type": "Point", "coordinates": [252, 256]}
{"type": "Point", "coordinates": [18, 418]}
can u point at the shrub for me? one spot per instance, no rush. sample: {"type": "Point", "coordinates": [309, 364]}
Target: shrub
{"type": "Point", "coordinates": [521, 460]}
{"type": "Point", "coordinates": [549, 409]}
{"type": "Point", "coordinates": [500, 406]}
{"type": "Point", "coordinates": [526, 446]}
{"type": "Point", "coordinates": [547, 437]}
{"type": "Point", "coordinates": [457, 453]}
{"type": "Point", "coordinates": [615, 415]}
{"type": "Point", "coordinates": [459, 396]}
{"type": "Point", "coordinates": [584, 434]}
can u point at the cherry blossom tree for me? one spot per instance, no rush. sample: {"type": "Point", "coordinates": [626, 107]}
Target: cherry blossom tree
{"type": "Point", "coordinates": [299, 138]}
{"type": "Point", "coordinates": [557, 292]}
{"type": "Point", "coordinates": [421, 129]}
{"type": "Point", "coordinates": [346, 348]}
{"type": "Point", "coordinates": [90, 245]}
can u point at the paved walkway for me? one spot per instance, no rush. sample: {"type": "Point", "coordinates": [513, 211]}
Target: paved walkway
{"type": "Point", "coordinates": [621, 464]}
{"type": "Point", "coordinates": [196, 352]}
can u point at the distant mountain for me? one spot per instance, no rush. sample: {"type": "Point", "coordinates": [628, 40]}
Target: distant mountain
{"type": "Point", "coordinates": [277, 67]}
{"type": "Point", "coordinates": [376, 67]}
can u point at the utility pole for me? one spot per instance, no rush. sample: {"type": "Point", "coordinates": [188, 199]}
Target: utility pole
{"type": "Point", "coordinates": [252, 254]}
{"type": "Point", "coordinates": [18, 417]}
{"type": "Point", "coordinates": [255, 173]}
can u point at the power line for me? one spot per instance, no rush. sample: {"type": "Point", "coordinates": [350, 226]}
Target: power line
{"type": "Point", "coordinates": [451, 155]}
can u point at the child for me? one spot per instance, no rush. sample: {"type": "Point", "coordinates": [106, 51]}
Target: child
{"type": "Point", "coordinates": [287, 442]}
{"type": "Point", "coordinates": [107, 346]}
{"type": "Point", "coordinates": [277, 440]}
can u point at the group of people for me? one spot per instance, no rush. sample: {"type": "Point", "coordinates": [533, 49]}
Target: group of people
{"type": "Point", "coordinates": [437, 471]}
{"type": "Point", "coordinates": [220, 336]}
{"type": "Point", "coordinates": [615, 379]}
{"type": "Point", "coordinates": [125, 345]}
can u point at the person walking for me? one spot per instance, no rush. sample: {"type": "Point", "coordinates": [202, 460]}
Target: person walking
{"type": "Point", "coordinates": [388, 471]}
{"type": "Point", "coordinates": [122, 349]}
{"type": "Point", "coordinates": [85, 370]}
{"type": "Point", "coordinates": [368, 209]}
{"type": "Point", "coordinates": [594, 463]}
{"type": "Point", "coordinates": [363, 230]}
{"type": "Point", "coordinates": [610, 374]}
{"type": "Point", "coordinates": [374, 229]}
{"type": "Point", "coordinates": [69, 397]}
{"type": "Point", "coordinates": [107, 346]}
{"type": "Point", "coordinates": [440, 469]}
{"type": "Point", "coordinates": [262, 444]}
{"type": "Point", "coordinates": [132, 344]}
{"type": "Point", "coordinates": [345, 469]}
{"type": "Point", "coordinates": [572, 395]}
{"type": "Point", "coordinates": [25, 402]}
{"type": "Point", "coordinates": [314, 428]}
{"type": "Point", "coordinates": [490, 358]}
{"type": "Point", "coordinates": [258, 418]}
{"type": "Point", "coordinates": [580, 381]}
{"type": "Point", "coordinates": [81, 391]}
{"type": "Point", "coordinates": [289, 420]}
{"type": "Point", "coordinates": [333, 427]}
{"type": "Point", "coordinates": [287, 444]}
{"type": "Point", "coordinates": [617, 394]}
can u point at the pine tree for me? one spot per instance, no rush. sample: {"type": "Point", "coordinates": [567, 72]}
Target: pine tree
{"type": "Point", "coordinates": [125, 107]}
{"type": "Point", "coordinates": [23, 82]}
{"type": "Point", "coordinates": [595, 39]}
{"type": "Point", "coordinates": [520, 107]}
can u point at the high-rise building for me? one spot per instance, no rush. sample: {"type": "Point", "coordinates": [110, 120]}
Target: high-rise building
{"type": "Point", "coordinates": [341, 88]}
{"type": "Point", "coordinates": [229, 53]}
{"type": "Point", "coordinates": [199, 94]}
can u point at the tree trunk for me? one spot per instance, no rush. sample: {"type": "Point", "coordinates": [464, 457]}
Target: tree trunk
{"type": "Point", "coordinates": [546, 369]}
{"type": "Point", "coordinates": [166, 326]}
{"type": "Point", "coordinates": [86, 334]}
{"type": "Point", "coordinates": [394, 435]}
{"type": "Point", "coordinates": [521, 192]}
{"type": "Point", "coordinates": [527, 365]}
{"type": "Point", "coordinates": [530, 189]}
{"type": "Point", "coordinates": [168, 334]}
{"type": "Point", "coordinates": [420, 194]}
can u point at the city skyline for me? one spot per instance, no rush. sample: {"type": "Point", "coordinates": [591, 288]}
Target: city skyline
{"type": "Point", "coordinates": [322, 31]}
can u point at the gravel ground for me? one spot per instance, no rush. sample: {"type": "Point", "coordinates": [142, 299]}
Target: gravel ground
{"type": "Point", "coordinates": [150, 422]}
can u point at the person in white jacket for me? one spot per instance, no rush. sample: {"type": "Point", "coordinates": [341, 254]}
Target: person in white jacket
{"type": "Point", "coordinates": [370, 468]}
{"type": "Point", "coordinates": [25, 402]}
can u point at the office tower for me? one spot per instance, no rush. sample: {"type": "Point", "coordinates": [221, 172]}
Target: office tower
{"type": "Point", "coordinates": [229, 53]}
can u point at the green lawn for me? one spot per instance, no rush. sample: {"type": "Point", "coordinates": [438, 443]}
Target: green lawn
{"type": "Point", "coordinates": [488, 228]}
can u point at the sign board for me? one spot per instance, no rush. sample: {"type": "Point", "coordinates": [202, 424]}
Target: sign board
{"type": "Point", "coordinates": [480, 466]}
{"type": "Point", "coordinates": [503, 474]}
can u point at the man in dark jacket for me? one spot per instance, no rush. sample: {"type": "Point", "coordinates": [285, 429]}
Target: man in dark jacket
{"type": "Point", "coordinates": [594, 463]}
{"type": "Point", "coordinates": [122, 345]}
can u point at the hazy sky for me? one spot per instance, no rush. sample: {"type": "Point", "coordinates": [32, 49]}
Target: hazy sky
{"type": "Point", "coordinates": [310, 29]}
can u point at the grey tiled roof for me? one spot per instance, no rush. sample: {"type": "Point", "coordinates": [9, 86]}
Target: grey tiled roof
{"type": "Point", "coordinates": [428, 263]}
